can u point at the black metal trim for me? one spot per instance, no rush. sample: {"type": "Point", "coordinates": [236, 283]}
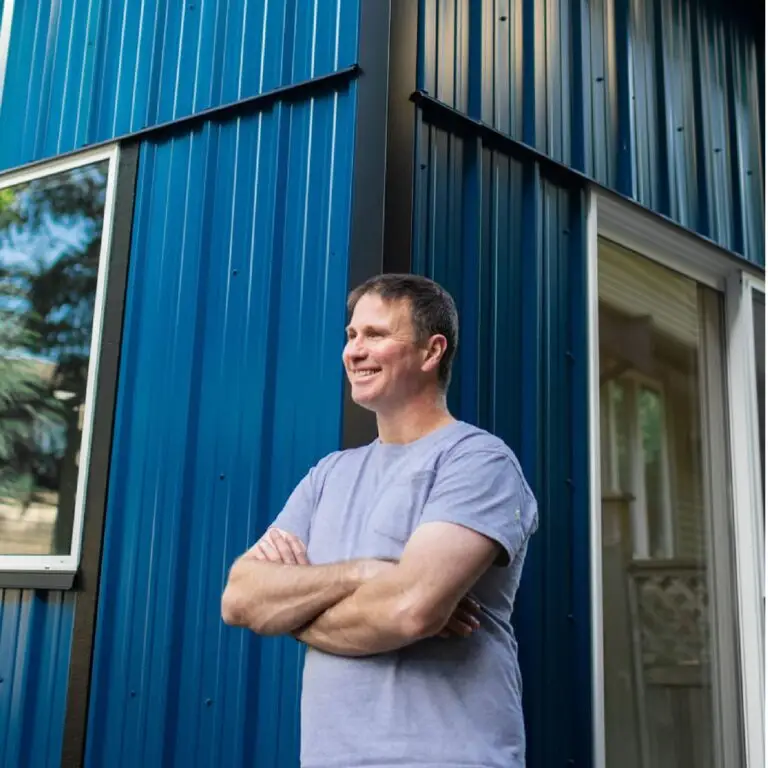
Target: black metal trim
{"type": "Point", "coordinates": [295, 92]}
{"type": "Point", "coordinates": [401, 136]}
{"type": "Point", "coordinates": [87, 579]}
{"type": "Point", "coordinates": [47, 580]}
{"type": "Point", "coordinates": [438, 113]}
{"type": "Point", "coordinates": [366, 241]}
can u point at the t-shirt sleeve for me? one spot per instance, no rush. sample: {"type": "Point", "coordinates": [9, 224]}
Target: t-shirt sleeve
{"type": "Point", "coordinates": [296, 516]}
{"type": "Point", "coordinates": [485, 492]}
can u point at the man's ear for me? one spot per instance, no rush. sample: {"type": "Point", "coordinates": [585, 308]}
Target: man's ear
{"type": "Point", "coordinates": [433, 352]}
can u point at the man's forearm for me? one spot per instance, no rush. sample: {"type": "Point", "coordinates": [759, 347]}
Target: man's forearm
{"type": "Point", "coordinates": [274, 599]}
{"type": "Point", "coordinates": [377, 618]}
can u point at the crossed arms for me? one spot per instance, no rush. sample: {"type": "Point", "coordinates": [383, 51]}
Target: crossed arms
{"type": "Point", "coordinates": [360, 607]}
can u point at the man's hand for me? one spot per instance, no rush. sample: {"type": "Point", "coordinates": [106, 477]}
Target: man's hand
{"type": "Point", "coordinates": [277, 546]}
{"type": "Point", "coordinates": [464, 620]}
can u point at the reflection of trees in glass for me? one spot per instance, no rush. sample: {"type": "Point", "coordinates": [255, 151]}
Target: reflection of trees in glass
{"type": "Point", "coordinates": [50, 237]}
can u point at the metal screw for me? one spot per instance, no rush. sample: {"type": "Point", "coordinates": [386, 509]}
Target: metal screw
{"type": "Point", "coordinates": [599, 79]}
{"type": "Point", "coordinates": [133, 694]}
{"type": "Point", "coordinates": [679, 128]}
{"type": "Point", "coordinates": [234, 271]}
{"type": "Point", "coordinates": [208, 702]}
{"type": "Point", "coordinates": [221, 476]}
{"type": "Point", "coordinates": [502, 18]}
{"type": "Point", "coordinates": [718, 150]}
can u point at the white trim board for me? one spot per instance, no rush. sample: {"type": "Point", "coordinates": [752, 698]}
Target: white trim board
{"type": "Point", "coordinates": [5, 43]}
{"type": "Point", "coordinates": [666, 243]}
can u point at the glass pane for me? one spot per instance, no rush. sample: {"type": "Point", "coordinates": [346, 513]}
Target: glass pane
{"type": "Point", "coordinates": [50, 238]}
{"type": "Point", "coordinates": [650, 417]}
{"type": "Point", "coordinates": [758, 318]}
{"type": "Point", "coordinates": [664, 642]}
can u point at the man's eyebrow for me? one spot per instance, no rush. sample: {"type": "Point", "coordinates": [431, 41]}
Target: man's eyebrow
{"type": "Point", "coordinates": [368, 327]}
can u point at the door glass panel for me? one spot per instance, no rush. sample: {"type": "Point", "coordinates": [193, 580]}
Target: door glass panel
{"type": "Point", "coordinates": [670, 671]}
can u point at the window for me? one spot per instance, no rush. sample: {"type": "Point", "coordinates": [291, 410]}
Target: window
{"type": "Point", "coordinates": [669, 601]}
{"type": "Point", "coordinates": [54, 233]}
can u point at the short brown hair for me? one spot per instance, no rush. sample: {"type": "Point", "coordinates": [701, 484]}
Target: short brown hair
{"type": "Point", "coordinates": [433, 311]}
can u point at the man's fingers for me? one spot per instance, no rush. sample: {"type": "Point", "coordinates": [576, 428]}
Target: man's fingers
{"type": "Point", "coordinates": [470, 605]}
{"type": "Point", "coordinates": [298, 548]}
{"type": "Point", "coordinates": [283, 548]}
{"type": "Point", "coordinates": [270, 553]}
{"type": "Point", "coordinates": [458, 627]}
{"type": "Point", "coordinates": [464, 620]}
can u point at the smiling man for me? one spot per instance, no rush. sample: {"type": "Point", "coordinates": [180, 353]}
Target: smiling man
{"type": "Point", "coordinates": [397, 563]}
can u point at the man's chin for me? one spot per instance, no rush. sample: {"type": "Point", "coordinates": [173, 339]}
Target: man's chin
{"type": "Point", "coordinates": [364, 400]}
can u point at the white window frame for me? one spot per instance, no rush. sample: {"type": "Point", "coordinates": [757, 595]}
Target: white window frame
{"type": "Point", "coordinates": [628, 224]}
{"type": "Point", "coordinates": [5, 42]}
{"type": "Point", "coordinates": [59, 570]}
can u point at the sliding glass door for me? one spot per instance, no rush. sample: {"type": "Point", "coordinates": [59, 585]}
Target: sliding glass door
{"type": "Point", "coordinates": [669, 609]}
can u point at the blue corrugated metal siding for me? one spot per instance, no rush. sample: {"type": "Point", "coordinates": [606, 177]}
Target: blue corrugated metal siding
{"type": "Point", "coordinates": [509, 245]}
{"type": "Point", "coordinates": [86, 71]}
{"type": "Point", "coordinates": [35, 640]}
{"type": "Point", "coordinates": [659, 101]}
{"type": "Point", "coordinates": [230, 389]}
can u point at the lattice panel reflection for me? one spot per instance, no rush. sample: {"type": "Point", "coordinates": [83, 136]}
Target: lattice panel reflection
{"type": "Point", "coordinates": [671, 607]}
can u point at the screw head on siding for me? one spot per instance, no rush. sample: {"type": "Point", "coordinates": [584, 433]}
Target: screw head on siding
{"type": "Point", "coordinates": [502, 18]}
{"type": "Point", "coordinates": [221, 476]}
{"type": "Point", "coordinates": [599, 79]}
{"type": "Point", "coordinates": [208, 702]}
{"type": "Point", "coordinates": [679, 128]}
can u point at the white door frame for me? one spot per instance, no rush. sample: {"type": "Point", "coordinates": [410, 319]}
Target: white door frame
{"type": "Point", "coordinates": [623, 222]}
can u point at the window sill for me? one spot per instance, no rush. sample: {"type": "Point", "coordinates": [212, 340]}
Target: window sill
{"type": "Point", "coordinates": [55, 580]}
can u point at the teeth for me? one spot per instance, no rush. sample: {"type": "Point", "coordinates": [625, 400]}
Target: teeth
{"type": "Point", "coordinates": [366, 373]}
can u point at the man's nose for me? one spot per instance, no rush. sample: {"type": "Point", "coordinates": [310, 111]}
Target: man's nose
{"type": "Point", "coordinates": [356, 348]}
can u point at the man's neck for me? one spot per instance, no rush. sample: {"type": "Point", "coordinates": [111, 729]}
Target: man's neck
{"type": "Point", "coordinates": [414, 421]}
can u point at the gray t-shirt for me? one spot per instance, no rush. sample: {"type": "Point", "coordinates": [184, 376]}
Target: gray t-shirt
{"type": "Point", "coordinates": [440, 702]}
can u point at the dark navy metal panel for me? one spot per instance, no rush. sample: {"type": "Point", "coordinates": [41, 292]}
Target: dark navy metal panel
{"type": "Point", "coordinates": [236, 292]}
{"type": "Point", "coordinates": [510, 246]}
{"type": "Point", "coordinates": [35, 643]}
{"type": "Point", "coordinates": [659, 101]}
{"type": "Point", "coordinates": [84, 72]}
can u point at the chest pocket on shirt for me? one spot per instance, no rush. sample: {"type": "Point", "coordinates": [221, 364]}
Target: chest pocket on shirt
{"type": "Point", "coordinates": [400, 504]}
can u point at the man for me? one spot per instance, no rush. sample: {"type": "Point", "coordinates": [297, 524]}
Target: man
{"type": "Point", "coordinates": [397, 563]}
